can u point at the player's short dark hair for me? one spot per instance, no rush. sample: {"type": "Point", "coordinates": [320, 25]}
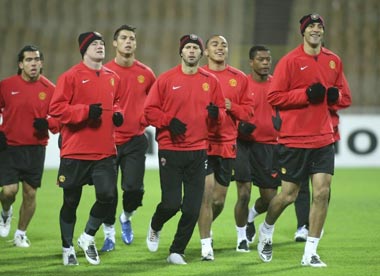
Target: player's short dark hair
{"type": "Point", "coordinates": [21, 55]}
{"type": "Point", "coordinates": [123, 27]}
{"type": "Point", "coordinates": [254, 49]}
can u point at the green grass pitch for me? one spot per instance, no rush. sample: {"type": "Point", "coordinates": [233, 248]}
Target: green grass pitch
{"type": "Point", "coordinates": [350, 245]}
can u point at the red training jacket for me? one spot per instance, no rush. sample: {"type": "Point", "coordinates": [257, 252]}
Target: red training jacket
{"type": "Point", "coordinates": [175, 94]}
{"type": "Point", "coordinates": [21, 102]}
{"type": "Point", "coordinates": [135, 82]}
{"type": "Point", "coordinates": [77, 88]}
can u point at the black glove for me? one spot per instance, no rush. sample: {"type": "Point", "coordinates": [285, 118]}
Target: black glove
{"type": "Point", "coordinates": [40, 124]}
{"type": "Point", "coordinates": [117, 119]}
{"type": "Point", "coordinates": [213, 111]}
{"type": "Point", "coordinates": [246, 128]}
{"type": "Point", "coordinates": [176, 127]}
{"type": "Point", "coordinates": [95, 111]}
{"type": "Point", "coordinates": [316, 93]}
{"type": "Point", "coordinates": [332, 95]}
{"type": "Point", "coordinates": [3, 141]}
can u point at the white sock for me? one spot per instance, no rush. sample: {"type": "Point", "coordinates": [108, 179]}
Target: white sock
{"type": "Point", "coordinates": [125, 216]}
{"type": "Point", "coordinates": [267, 228]}
{"type": "Point", "coordinates": [7, 213]}
{"type": "Point", "coordinates": [87, 237]}
{"type": "Point", "coordinates": [206, 242]}
{"type": "Point", "coordinates": [252, 214]}
{"type": "Point", "coordinates": [109, 231]}
{"type": "Point", "coordinates": [20, 232]}
{"type": "Point", "coordinates": [311, 246]}
{"type": "Point", "coordinates": [241, 233]}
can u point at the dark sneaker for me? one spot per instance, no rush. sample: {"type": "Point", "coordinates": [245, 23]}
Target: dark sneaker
{"type": "Point", "coordinates": [242, 246]}
{"type": "Point", "coordinates": [251, 232]}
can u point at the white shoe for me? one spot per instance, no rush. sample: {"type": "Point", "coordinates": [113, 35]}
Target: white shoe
{"type": "Point", "coordinates": [5, 225]}
{"type": "Point", "coordinates": [207, 253]}
{"type": "Point", "coordinates": [301, 234]}
{"type": "Point", "coordinates": [21, 241]}
{"type": "Point", "coordinates": [175, 258]}
{"type": "Point", "coordinates": [69, 257]}
{"type": "Point", "coordinates": [89, 248]}
{"type": "Point", "coordinates": [312, 260]}
{"type": "Point", "coordinates": [264, 246]}
{"type": "Point", "coordinates": [152, 239]}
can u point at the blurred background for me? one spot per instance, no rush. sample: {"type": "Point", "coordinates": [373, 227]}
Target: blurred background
{"type": "Point", "coordinates": [351, 32]}
{"type": "Point", "coordinates": [54, 25]}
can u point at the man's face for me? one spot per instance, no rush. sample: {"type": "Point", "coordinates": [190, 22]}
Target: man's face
{"type": "Point", "coordinates": [31, 65]}
{"type": "Point", "coordinates": [217, 49]}
{"type": "Point", "coordinates": [261, 63]}
{"type": "Point", "coordinates": [125, 43]}
{"type": "Point", "coordinates": [313, 34]}
{"type": "Point", "coordinates": [96, 50]}
{"type": "Point", "coordinates": [191, 54]}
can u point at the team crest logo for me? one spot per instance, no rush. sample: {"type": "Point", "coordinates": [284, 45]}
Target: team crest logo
{"type": "Point", "coordinates": [163, 161]}
{"type": "Point", "coordinates": [112, 82]}
{"type": "Point", "coordinates": [42, 95]}
{"type": "Point", "coordinates": [232, 82]}
{"type": "Point", "coordinates": [141, 79]}
{"type": "Point", "coordinates": [332, 64]}
{"type": "Point", "coordinates": [61, 178]}
{"type": "Point", "coordinates": [205, 86]}
{"type": "Point", "coordinates": [283, 170]}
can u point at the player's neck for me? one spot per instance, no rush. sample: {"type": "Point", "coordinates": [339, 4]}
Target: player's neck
{"type": "Point", "coordinates": [215, 66]}
{"type": "Point", "coordinates": [125, 61]}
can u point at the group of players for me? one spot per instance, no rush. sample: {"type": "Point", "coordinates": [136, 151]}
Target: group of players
{"type": "Point", "coordinates": [213, 123]}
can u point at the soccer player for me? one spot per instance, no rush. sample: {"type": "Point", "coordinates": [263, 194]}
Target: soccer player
{"type": "Point", "coordinates": [86, 104]}
{"type": "Point", "coordinates": [302, 203]}
{"type": "Point", "coordinates": [257, 148]}
{"type": "Point", "coordinates": [183, 104]}
{"type": "Point", "coordinates": [222, 142]}
{"type": "Point", "coordinates": [135, 81]}
{"type": "Point", "coordinates": [24, 101]}
{"type": "Point", "coordinates": [305, 83]}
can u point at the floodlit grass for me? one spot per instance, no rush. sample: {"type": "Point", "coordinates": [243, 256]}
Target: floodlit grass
{"type": "Point", "coordinates": [350, 245]}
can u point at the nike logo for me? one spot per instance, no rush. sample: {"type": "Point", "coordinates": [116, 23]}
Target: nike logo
{"type": "Point", "coordinates": [304, 67]}
{"type": "Point", "coordinates": [84, 81]}
{"type": "Point", "coordinates": [176, 87]}
{"type": "Point", "coordinates": [14, 92]}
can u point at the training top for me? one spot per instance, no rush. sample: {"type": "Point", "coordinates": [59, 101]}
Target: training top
{"type": "Point", "coordinates": [21, 102]}
{"type": "Point", "coordinates": [185, 97]}
{"type": "Point", "coordinates": [234, 85]}
{"type": "Point", "coordinates": [135, 82]}
{"type": "Point", "coordinates": [77, 88]}
{"type": "Point", "coordinates": [265, 132]}
{"type": "Point", "coordinates": [304, 125]}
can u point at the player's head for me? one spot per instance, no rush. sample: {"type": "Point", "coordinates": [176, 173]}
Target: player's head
{"type": "Point", "coordinates": [26, 57]}
{"type": "Point", "coordinates": [310, 18]}
{"type": "Point", "coordinates": [85, 39]}
{"type": "Point", "coordinates": [124, 27]}
{"type": "Point", "coordinates": [190, 38]}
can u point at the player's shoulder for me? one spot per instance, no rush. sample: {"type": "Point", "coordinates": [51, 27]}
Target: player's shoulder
{"type": "Point", "coordinates": [46, 82]}
{"type": "Point", "coordinates": [235, 71]}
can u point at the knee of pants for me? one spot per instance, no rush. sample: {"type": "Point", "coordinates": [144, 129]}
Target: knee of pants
{"type": "Point", "coordinates": [167, 211]}
{"type": "Point", "coordinates": [132, 200]}
{"type": "Point", "coordinates": [105, 198]}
